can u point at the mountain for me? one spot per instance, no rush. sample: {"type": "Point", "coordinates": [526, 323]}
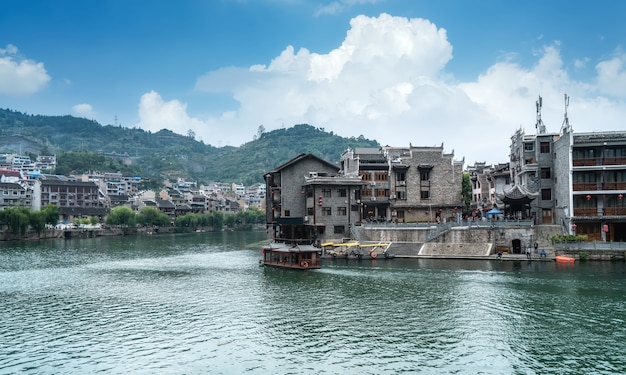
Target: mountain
{"type": "Point", "coordinates": [165, 154]}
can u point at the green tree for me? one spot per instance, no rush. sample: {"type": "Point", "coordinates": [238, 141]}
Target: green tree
{"type": "Point", "coordinates": [466, 191]}
{"type": "Point", "coordinates": [51, 214]}
{"type": "Point", "coordinates": [122, 216]}
{"type": "Point", "coordinates": [17, 219]}
{"type": "Point", "coordinates": [37, 221]}
{"type": "Point", "coordinates": [151, 216]}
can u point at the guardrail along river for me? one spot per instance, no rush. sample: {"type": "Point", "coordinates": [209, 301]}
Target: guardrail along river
{"type": "Point", "coordinates": [200, 303]}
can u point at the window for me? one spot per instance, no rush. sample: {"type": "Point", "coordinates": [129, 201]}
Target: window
{"type": "Point", "coordinates": [529, 146]}
{"type": "Point", "coordinates": [326, 211]}
{"type": "Point", "coordinates": [326, 193]}
{"type": "Point", "coordinates": [343, 193]}
{"type": "Point", "coordinates": [381, 176]}
{"type": "Point", "coordinates": [287, 213]}
{"type": "Point", "coordinates": [342, 211]}
{"type": "Point", "coordinates": [425, 174]}
{"type": "Point", "coordinates": [340, 229]}
{"type": "Point", "coordinates": [366, 193]}
{"type": "Point", "coordinates": [401, 195]}
{"type": "Point", "coordinates": [425, 194]}
{"type": "Point", "coordinates": [309, 211]}
{"type": "Point", "coordinates": [400, 176]}
{"type": "Point", "coordinates": [545, 173]}
{"type": "Point", "coordinates": [544, 147]}
{"type": "Point", "coordinates": [366, 176]}
{"type": "Point", "coordinates": [546, 194]}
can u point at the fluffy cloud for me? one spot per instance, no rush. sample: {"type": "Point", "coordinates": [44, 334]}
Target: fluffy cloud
{"type": "Point", "coordinates": [84, 110]}
{"type": "Point", "coordinates": [20, 76]}
{"type": "Point", "coordinates": [387, 81]}
{"type": "Point", "coordinates": [156, 114]}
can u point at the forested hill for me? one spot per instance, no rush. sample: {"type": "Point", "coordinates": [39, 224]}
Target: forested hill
{"type": "Point", "coordinates": [80, 143]}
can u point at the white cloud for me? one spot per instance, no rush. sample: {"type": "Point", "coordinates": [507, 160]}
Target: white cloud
{"type": "Point", "coordinates": [84, 110]}
{"type": "Point", "coordinates": [387, 81]}
{"type": "Point", "coordinates": [156, 114]}
{"type": "Point", "coordinates": [612, 76]}
{"type": "Point", "coordinates": [20, 76]}
{"type": "Point", "coordinates": [339, 6]}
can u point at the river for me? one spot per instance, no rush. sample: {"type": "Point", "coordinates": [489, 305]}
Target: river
{"type": "Point", "coordinates": [201, 304]}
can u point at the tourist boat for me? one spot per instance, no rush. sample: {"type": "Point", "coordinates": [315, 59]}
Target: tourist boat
{"type": "Point", "coordinates": [356, 250]}
{"type": "Point", "coordinates": [294, 256]}
{"type": "Point", "coordinates": [564, 259]}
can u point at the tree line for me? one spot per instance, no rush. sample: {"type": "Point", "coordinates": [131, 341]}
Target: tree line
{"type": "Point", "coordinates": [123, 216]}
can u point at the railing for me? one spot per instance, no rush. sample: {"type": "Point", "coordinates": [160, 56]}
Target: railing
{"type": "Point", "coordinates": [584, 162]}
{"type": "Point", "coordinates": [464, 223]}
{"type": "Point", "coordinates": [590, 245]}
{"type": "Point", "coordinates": [586, 211]}
{"type": "Point", "coordinates": [614, 211]}
{"type": "Point", "coordinates": [615, 160]}
{"type": "Point", "coordinates": [581, 186]}
{"type": "Point", "coordinates": [581, 162]}
{"type": "Point", "coordinates": [614, 186]}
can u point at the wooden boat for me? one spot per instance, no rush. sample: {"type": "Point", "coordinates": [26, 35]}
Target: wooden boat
{"type": "Point", "coordinates": [295, 256]}
{"type": "Point", "coordinates": [356, 250]}
{"type": "Point", "coordinates": [564, 259]}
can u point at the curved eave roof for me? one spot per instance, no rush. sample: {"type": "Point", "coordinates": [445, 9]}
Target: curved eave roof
{"type": "Point", "coordinates": [517, 194]}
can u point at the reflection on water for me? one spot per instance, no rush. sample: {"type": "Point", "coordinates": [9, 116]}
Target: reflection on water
{"type": "Point", "coordinates": [201, 304]}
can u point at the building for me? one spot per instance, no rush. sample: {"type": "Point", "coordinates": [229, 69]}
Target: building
{"type": "Point", "coordinates": [592, 202]}
{"type": "Point", "coordinates": [14, 194]}
{"type": "Point", "coordinates": [407, 184]}
{"type": "Point", "coordinates": [307, 200]}
{"type": "Point", "coordinates": [74, 198]}
{"type": "Point", "coordinates": [574, 180]}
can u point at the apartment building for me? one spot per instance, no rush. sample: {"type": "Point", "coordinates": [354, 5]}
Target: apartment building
{"type": "Point", "coordinates": [591, 202]}
{"type": "Point", "coordinates": [74, 198]}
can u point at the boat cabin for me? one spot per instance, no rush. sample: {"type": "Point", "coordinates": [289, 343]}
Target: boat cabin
{"type": "Point", "coordinates": [302, 257]}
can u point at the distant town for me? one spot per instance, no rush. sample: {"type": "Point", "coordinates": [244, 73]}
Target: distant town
{"type": "Point", "coordinates": [575, 181]}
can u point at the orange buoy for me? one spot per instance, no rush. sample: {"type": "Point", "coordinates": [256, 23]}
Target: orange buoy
{"type": "Point", "coordinates": [304, 264]}
{"type": "Point", "coordinates": [373, 255]}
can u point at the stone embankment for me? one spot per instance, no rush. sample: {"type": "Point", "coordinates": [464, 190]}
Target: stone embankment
{"type": "Point", "coordinates": [476, 241]}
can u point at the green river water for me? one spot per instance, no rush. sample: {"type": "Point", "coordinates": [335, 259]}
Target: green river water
{"type": "Point", "coordinates": [201, 304]}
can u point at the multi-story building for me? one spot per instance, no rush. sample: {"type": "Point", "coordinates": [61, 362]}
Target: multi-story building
{"type": "Point", "coordinates": [575, 180]}
{"type": "Point", "coordinates": [407, 184]}
{"type": "Point", "coordinates": [591, 202]}
{"type": "Point", "coordinates": [14, 194]}
{"type": "Point", "coordinates": [532, 163]}
{"type": "Point", "coordinates": [306, 198]}
{"type": "Point", "coordinates": [74, 198]}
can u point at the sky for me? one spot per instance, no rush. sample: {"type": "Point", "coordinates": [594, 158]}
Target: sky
{"type": "Point", "coordinates": [463, 73]}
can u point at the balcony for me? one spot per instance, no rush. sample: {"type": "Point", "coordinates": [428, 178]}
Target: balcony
{"type": "Point", "coordinates": [614, 186]}
{"type": "Point", "coordinates": [615, 161]}
{"type": "Point", "coordinates": [586, 211]}
{"type": "Point", "coordinates": [583, 162]}
{"type": "Point", "coordinates": [583, 186]}
{"type": "Point", "coordinates": [615, 211]}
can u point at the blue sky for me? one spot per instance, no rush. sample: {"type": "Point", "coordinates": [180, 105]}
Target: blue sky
{"type": "Point", "coordinates": [463, 73]}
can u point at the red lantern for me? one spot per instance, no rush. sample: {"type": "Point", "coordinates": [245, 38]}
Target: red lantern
{"type": "Point", "coordinates": [620, 196]}
{"type": "Point", "coordinates": [320, 200]}
{"type": "Point", "coordinates": [588, 197]}
{"type": "Point", "coordinates": [574, 226]}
